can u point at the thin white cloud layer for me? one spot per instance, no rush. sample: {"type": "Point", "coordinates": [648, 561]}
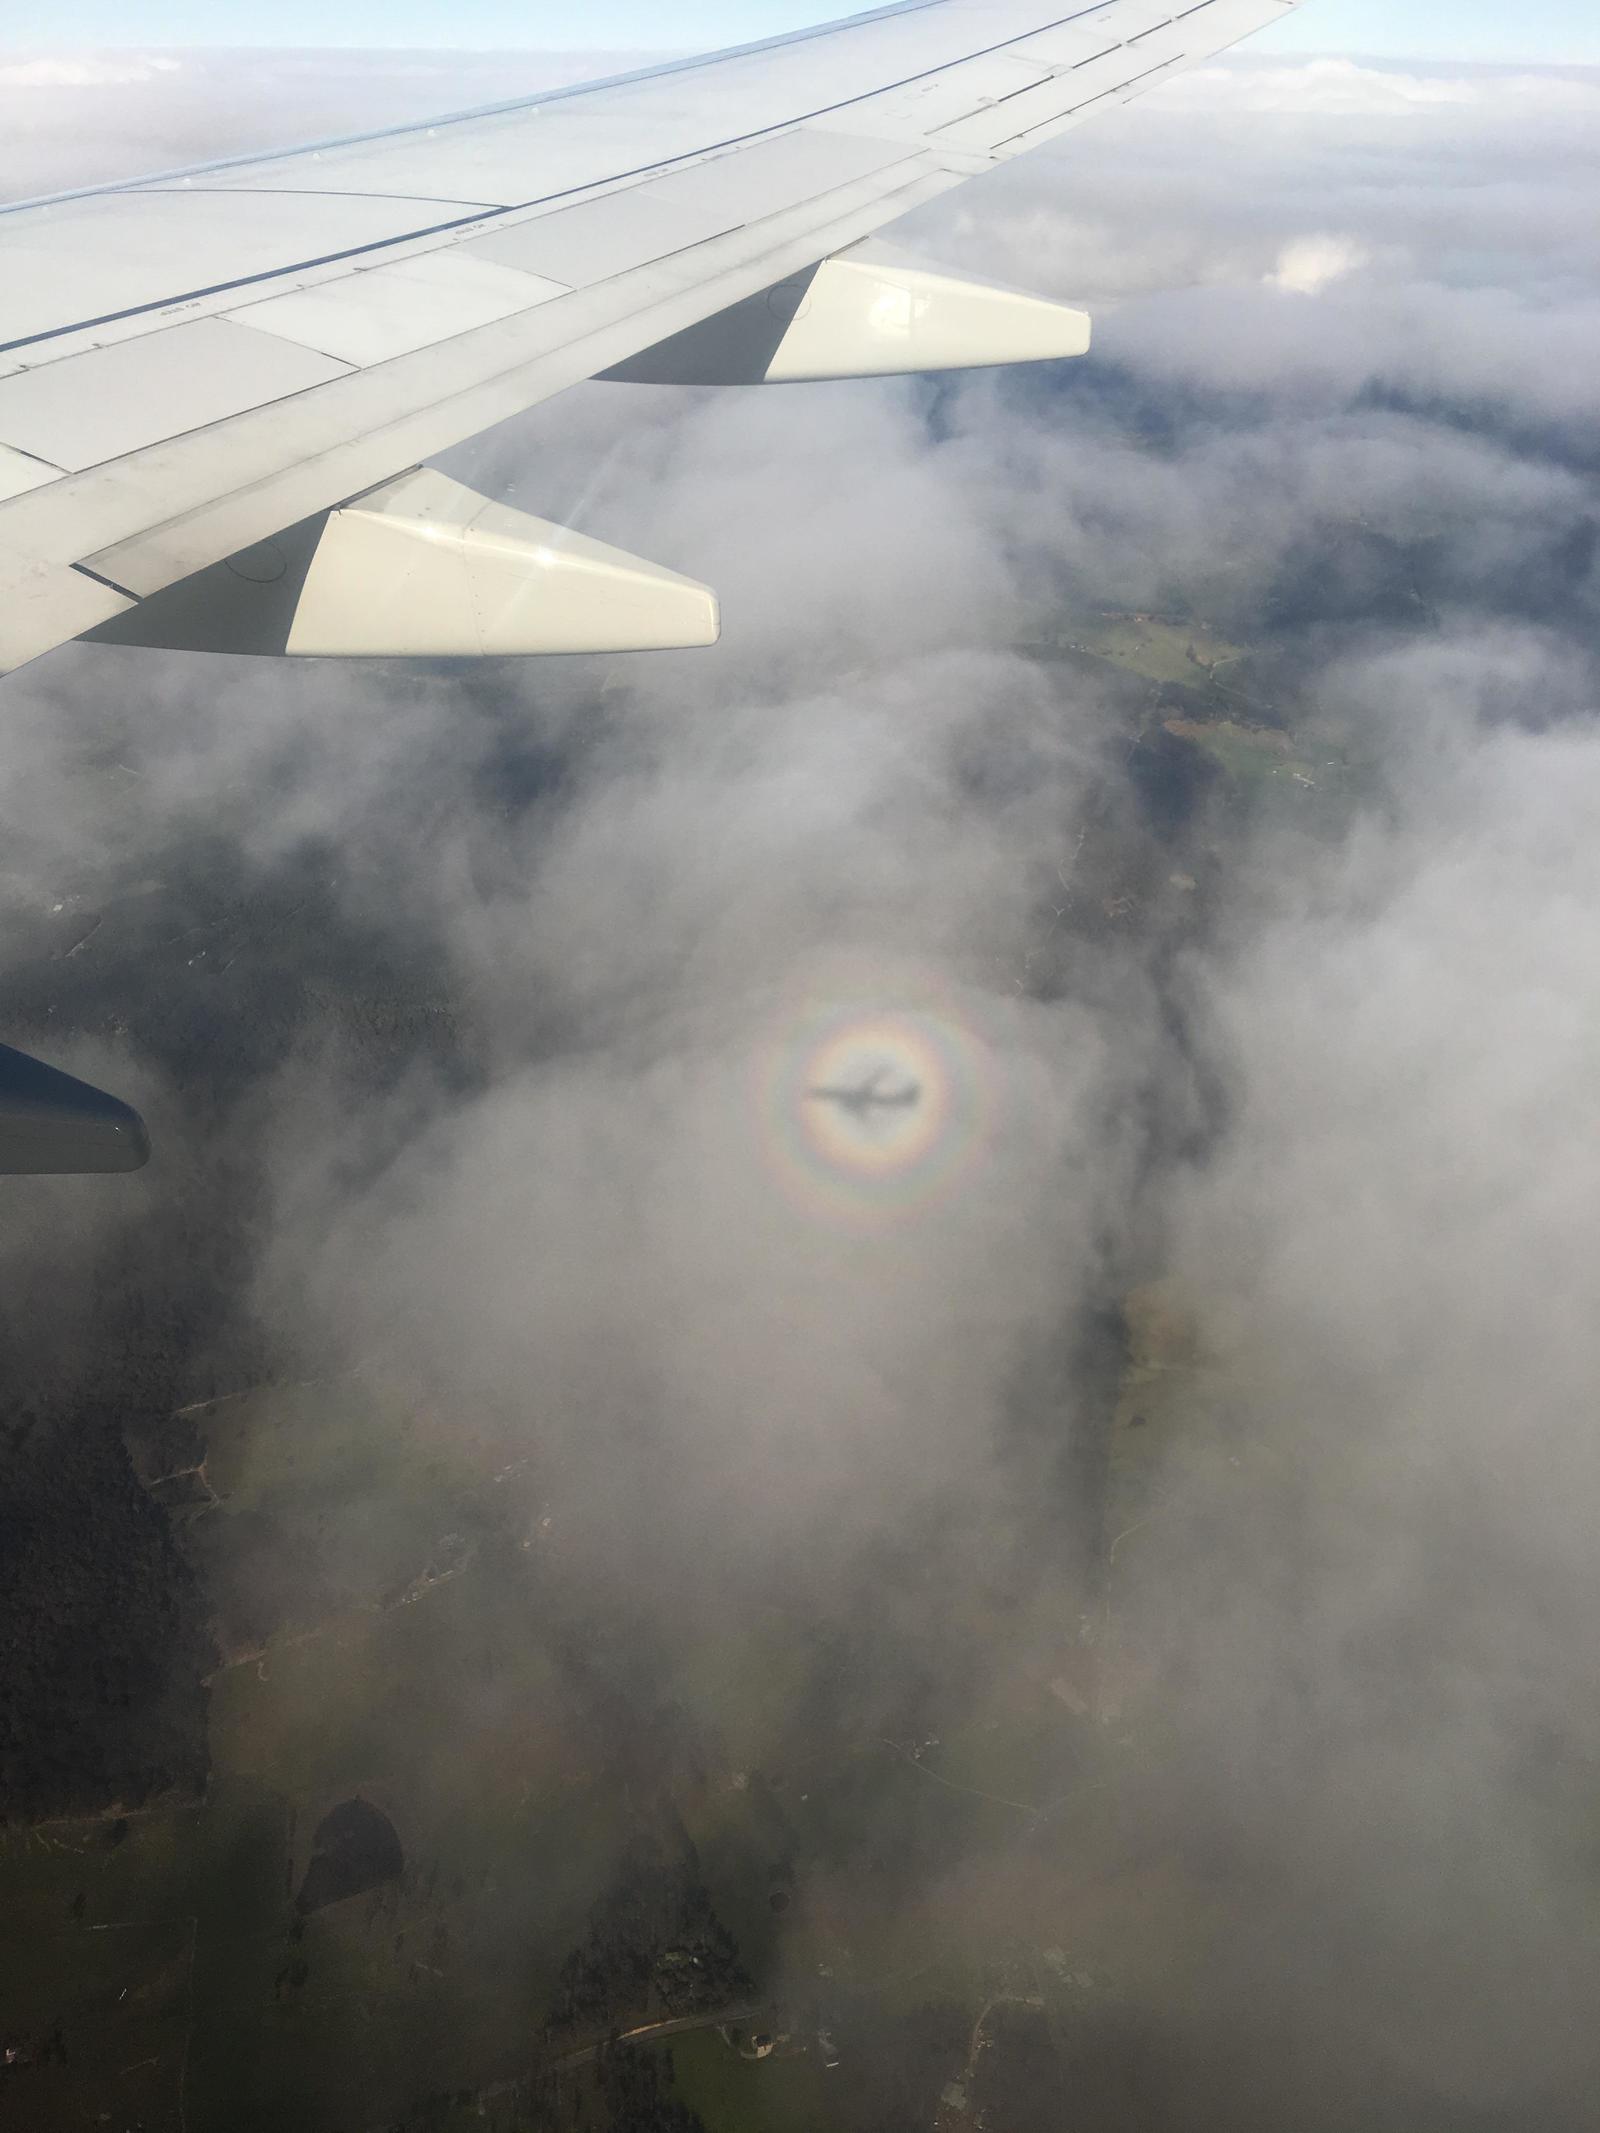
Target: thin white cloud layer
{"type": "Point", "coordinates": [91, 72]}
{"type": "Point", "coordinates": [1347, 89]}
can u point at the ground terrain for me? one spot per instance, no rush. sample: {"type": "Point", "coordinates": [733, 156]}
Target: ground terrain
{"type": "Point", "coordinates": [593, 1840]}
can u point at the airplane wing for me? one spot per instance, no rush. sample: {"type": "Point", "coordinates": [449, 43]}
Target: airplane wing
{"type": "Point", "coordinates": [52, 1125]}
{"type": "Point", "coordinates": [220, 389]}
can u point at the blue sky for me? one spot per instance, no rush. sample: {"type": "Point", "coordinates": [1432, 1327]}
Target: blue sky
{"type": "Point", "coordinates": [1550, 30]}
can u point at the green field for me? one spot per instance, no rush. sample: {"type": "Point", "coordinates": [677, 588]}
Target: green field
{"type": "Point", "coordinates": [1155, 647]}
{"type": "Point", "coordinates": [788, 2093]}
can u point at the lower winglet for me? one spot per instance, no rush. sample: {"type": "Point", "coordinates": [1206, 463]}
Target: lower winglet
{"type": "Point", "coordinates": [52, 1125]}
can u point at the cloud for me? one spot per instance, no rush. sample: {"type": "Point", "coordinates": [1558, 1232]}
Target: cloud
{"type": "Point", "coordinates": [1384, 1246]}
{"type": "Point", "coordinates": [1345, 89]}
{"type": "Point", "coordinates": [110, 72]}
{"type": "Point", "coordinates": [486, 1012]}
{"type": "Point", "coordinates": [1308, 265]}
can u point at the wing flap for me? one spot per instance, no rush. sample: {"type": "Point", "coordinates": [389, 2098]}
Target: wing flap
{"type": "Point", "coordinates": [113, 401]}
{"type": "Point", "coordinates": [85, 262]}
{"type": "Point", "coordinates": [395, 310]}
{"type": "Point", "coordinates": [602, 238]}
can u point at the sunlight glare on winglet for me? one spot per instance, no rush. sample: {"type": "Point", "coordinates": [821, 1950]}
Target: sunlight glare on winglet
{"type": "Point", "coordinates": [425, 568]}
{"type": "Point", "coordinates": [868, 312]}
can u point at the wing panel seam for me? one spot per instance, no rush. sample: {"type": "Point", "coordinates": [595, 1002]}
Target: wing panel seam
{"type": "Point", "coordinates": [1176, 59]}
{"type": "Point", "coordinates": [36, 458]}
{"type": "Point", "coordinates": [244, 281]}
{"type": "Point", "coordinates": [297, 192]}
{"type": "Point", "coordinates": [100, 578]}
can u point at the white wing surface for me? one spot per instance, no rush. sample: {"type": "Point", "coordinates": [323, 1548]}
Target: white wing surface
{"type": "Point", "coordinates": [191, 364]}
